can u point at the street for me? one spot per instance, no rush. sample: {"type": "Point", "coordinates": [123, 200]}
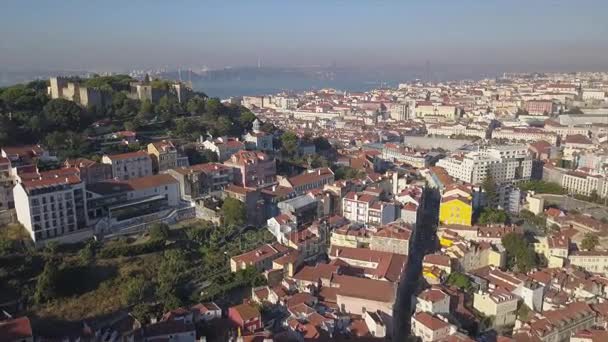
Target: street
{"type": "Point", "coordinates": [423, 242]}
{"type": "Point", "coordinates": [568, 203]}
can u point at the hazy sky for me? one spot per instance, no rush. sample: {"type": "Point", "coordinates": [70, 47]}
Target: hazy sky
{"type": "Point", "coordinates": [124, 34]}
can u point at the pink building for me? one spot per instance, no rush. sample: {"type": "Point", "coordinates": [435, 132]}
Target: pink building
{"type": "Point", "coordinates": [252, 169]}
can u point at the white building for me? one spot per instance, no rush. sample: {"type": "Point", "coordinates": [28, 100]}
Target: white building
{"type": "Point", "coordinates": [504, 163]}
{"type": "Point", "coordinates": [433, 301]}
{"type": "Point", "coordinates": [129, 165]}
{"type": "Point", "coordinates": [53, 208]}
{"type": "Point", "coordinates": [525, 134]}
{"type": "Point", "coordinates": [367, 209]}
{"type": "Point", "coordinates": [431, 328]}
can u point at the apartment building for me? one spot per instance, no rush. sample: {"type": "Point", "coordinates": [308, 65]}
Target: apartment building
{"type": "Point", "coordinates": [366, 208]}
{"type": "Point", "coordinates": [524, 134]}
{"type": "Point", "coordinates": [431, 328]}
{"type": "Point", "coordinates": [392, 238]}
{"type": "Point", "coordinates": [52, 207]}
{"type": "Point", "coordinates": [202, 179]}
{"type": "Point", "coordinates": [456, 210]}
{"type": "Point", "coordinates": [164, 155]}
{"type": "Point", "coordinates": [90, 171]}
{"type": "Point", "coordinates": [129, 165]}
{"type": "Point", "coordinates": [260, 258]}
{"type": "Point", "coordinates": [258, 140]}
{"type": "Point", "coordinates": [576, 182]}
{"type": "Point", "coordinates": [539, 107]}
{"type": "Point", "coordinates": [224, 147]}
{"type": "Point", "coordinates": [309, 180]}
{"type": "Point", "coordinates": [358, 295]}
{"type": "Point", "coordinates": [430, 110]}
{"type": "Point", "coordinates": [433, 301]}
{"type": "Point", "coordinates": [591, 261]}
{"type": "Point", "coordinates": [557, 325]}
{"type": "Point", "coordinates": [458, 129]}
{"type": "Point", "coordinates": [509, 163]}
{"type": "Point", "coordinates": [498, 303]}
{"type": "Point", "coordinates": [6, 185]}
{"type": "Point", "coordinates": [253, 169]}
{"type": "Point", "coordinates": [401, 154]}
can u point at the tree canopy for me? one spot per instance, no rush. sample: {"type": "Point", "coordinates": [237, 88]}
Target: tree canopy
{"type": "Point", "coordinates": [590, 241]}
{"type": "Point", "coordinates": [234, 212]}
{"type": "Point", "coordinates": [520, 253]}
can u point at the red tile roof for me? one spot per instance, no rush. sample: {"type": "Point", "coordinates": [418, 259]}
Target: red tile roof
{"type": "Point", "coordinates": [15, 329]}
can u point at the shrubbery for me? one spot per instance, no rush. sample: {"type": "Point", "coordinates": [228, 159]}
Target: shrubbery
{"type": "Point", "coordinates": [132, 250]}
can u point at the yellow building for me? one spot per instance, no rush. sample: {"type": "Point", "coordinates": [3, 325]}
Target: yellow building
{"type": "Point", "coordinates": [456, 210]}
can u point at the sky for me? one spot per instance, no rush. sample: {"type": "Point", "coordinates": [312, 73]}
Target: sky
{"type": "Point", "coordinates": [131, 34]}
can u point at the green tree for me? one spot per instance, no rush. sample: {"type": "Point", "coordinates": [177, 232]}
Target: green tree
{"type": "Point", "coordinates": [135, 290]}
{"type": "Point", "coordinates": [214, 107]}
{"type": "Point", "coordinates": [289, 141]}
{"type": "Point", "coordinates": [87, 254]}
{"type": "Point", "coordinates": [492, 216]}
{"type": "Point", "coordinates": [172, 277]}
{"type": "Point", "coordinates": [234, 212]}
{"type": "Point", "coordinates": [146, 107]}
{"type": "Point", "coordinates": [196, 105]}
{"type": "Point", "coordinates": [321, 144]}
{"type": "Point", "coordinates": [590, 241]}
{"type": "Point", "coordinates": [159, 231]}
{"type": "Point", "coordinates": [460, 281]}
{"type": "Point", "coordinates": [62, 114]}
{"type": "Point", "coordinates": [519, 252]}
{"type": "Point", "coordinates": [523, 312]}
{"type": "Point", "coordinates": [143, 312]}
{"type": "Point", "coordinates": [46, 283]}
{"type": "Point", "coordinates": [489, 188]}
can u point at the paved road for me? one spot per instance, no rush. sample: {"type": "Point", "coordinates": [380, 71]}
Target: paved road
{"type": "Point", "coordinates": [423, 242]}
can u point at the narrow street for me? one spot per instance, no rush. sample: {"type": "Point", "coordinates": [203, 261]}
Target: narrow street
{"type": "Point", "coordinates": [423, 242]}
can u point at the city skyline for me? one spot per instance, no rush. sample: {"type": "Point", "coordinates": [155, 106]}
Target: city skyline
{"type": "Point", "coordinates": [112, 36]}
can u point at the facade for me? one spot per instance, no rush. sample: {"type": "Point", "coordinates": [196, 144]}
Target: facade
{"type": "Point", "coordinates": [456, 210]}
{"type": "Point", "coordinates": [430, 328]}
{"type": "Point", "coordinates": [246, 317]}
{"type": "Point", "coordinates": [129, 165]}
{"type": "Point", "coordinates": [591, 261]}
{"type": "Point", "coordinates": [260, 258]}
{"type": "Point", "coordinates": [163, 154]}
{"type": "Point", "coordinates": [53, 208]}
{"type": "Point", "coordinates": [201, 180]}
{"type": "Point", "coordinates": [504, 163]}
{"type": "Point", "coordinates": [358, 295]}
{"type": "Point", "coordinates": [426, 110]}
{"type": "Point", "coordinates": [499, 303]}
{"type": "Point", "coordinates": [252, 169]}
{"type": "Point", "coordinates": [6, 185]}
{"type": "Point", "coordinates": [223, 147]}
{"type": "Point", "coordinates": [63, 88]}
{"type": "Point", "coordinates": [309, 180]}
{"type": "Point", "coordinates": [539, 107]}
{"type": "Point", "coordinates": [90, 171]}
{"type": "Point", "coordinates": [459, 129]}
{"type": "Point", "coordinates": [367, 209]}
{"type": "Point", "coordinates": [392, 238]}
{"type": "Point", "coordinates": [433, 301]}
{"type": "Point", "coordinates": [118, 203]}
{"type": "Point", "coordinates": [258, 140]}
{"type": "Point", "coordinates": [402, 154]}
{"type": "Point", "coordinates": [524, 134]}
